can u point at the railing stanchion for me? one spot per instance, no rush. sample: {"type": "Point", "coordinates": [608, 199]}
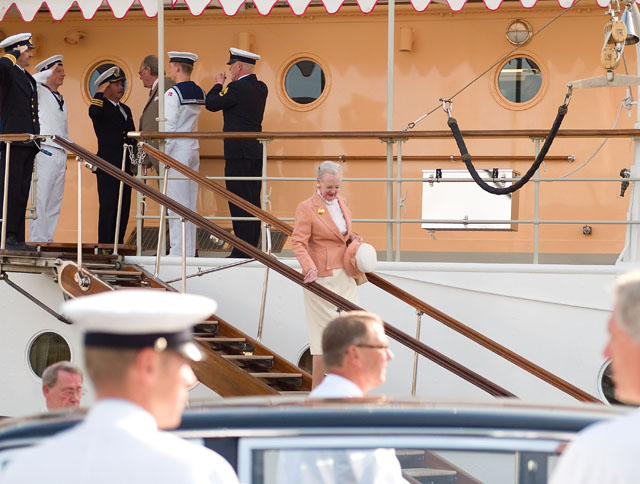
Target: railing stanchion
{"type": "Point", "coordinates": [161, 230]}
{"type": "Point", "coordinates": [263, 190]}
{"type": "Point", "coordinates": [3, 236]}
{"type": "Point", "coordinates": [398, 199]}
{"type": "Point", "coordinates": [120, 192]}
{"type": "Point", "coordinates": [263, 301]}
{"type": "Point", "coordinates": [536, 206]}
{"type": "Point", "coordinates": [415, 354]}
{"type": "Point", "coordinates": [389, 199]}
{"type": "Point", "coordinates": [140, 203]}
{"type": "Point", "coordinates": [184, 254]}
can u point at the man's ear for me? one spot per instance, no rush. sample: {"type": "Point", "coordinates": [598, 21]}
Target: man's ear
{"type": "Point", "coordinates": [146, 365]}
{"type": "Point", "coordinates": [46, 390]}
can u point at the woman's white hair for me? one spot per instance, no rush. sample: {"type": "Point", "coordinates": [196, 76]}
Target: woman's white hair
{"type": "Point", "coordinates": [328, 166]}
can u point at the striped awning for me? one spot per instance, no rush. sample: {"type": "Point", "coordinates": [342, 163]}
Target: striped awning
{"type": "Point", "coordinates": [59, 8]}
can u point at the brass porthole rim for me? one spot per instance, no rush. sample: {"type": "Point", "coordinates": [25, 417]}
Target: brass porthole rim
{"type": "Point", "coordinates": [282, 74]}
{"type": "Point", "coordinates": [86, 94]}
{"type": "Point", "coordinates": [512, 106]}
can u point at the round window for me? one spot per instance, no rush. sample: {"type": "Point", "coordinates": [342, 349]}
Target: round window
{"type": "Point", "coordinates": [607, 385]}
{"type": "Point", "coordinates": [306, 361]}
{"type": "Point", "coordinates": [46, 349]}
{"type": "Point", "coordinates": [519, 80]}
{"type": "Point", "coordinates": [95, 73]}
{"type": "Point", "coordinates": [304, 82]}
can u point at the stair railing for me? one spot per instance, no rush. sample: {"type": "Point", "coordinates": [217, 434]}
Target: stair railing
{"type": "Point", "coordinates": [385, 285]}
{"type": "Point", "coordinates": [268, 260]}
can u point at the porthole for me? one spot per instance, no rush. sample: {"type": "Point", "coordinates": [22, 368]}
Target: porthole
{"type": "Point", "coordinates": [304, 83]}
{"type": "Point", "coordinates": [306, 361]}
{"type": "Point", "coordinates": [606, 385]}
{"type": "Point", "coordinates": [94, 71]}
{"type": "Point", "coordinates": [46, 349]}
{"type": "Point", "coordinates": [520, 80]}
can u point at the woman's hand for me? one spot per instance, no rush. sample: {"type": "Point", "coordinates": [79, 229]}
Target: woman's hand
{"type": "Point", "coordinates": [310, 276]}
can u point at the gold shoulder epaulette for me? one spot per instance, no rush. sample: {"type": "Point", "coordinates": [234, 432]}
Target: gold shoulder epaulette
{"type": "Point", "coordinates": [12, 58]}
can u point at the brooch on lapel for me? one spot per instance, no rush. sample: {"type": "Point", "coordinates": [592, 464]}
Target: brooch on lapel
{"type": "Point", "coordinates": [321, 211]}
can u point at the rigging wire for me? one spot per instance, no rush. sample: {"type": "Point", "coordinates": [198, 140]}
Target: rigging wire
{"type": "Point", "coordinates": [413, 124]}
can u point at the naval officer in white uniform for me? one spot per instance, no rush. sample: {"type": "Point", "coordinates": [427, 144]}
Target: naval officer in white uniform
{"type": "Point", "coordinates": [355, 352]}
{"type": "Point", "coordinates": [51, 161]}
{"type": "Point", "coordinates": [138, 344]}
{"type": "Point", "coordinates": [183, 103]}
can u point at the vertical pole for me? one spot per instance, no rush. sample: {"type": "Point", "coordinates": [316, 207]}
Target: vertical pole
{"type": "Point", "coordinates": [184, 255]}
{"type": "Point", "coordinates": [415, 355]}
{"type": "Point", "coordinates": [398, 199]}
{"type": "Point", "coordinates": [119, 212]}
{"type": "Point", "coordinates": [161, 229]}
{"type": "Point", "coordinates": [264, 199]}
{"type": "Point", "coordinates": [5, 198]}
{"type": "Point", "coordinates": [536, 207]}
{"type": "Point", "coordinates": [162, 248]}
{"type": "Point", "coordinates": [391, 8]}
{"type": "Point", "coordinates": [265, 283]}
{"type": "Point", "coordinates": [79, 215]}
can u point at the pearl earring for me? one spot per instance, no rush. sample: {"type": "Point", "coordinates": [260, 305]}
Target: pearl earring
{"type": "Point", "coordinates": [317, 185]}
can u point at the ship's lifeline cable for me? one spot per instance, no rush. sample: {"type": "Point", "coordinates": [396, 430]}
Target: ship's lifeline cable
{"type": "Point", "coordinates": [466, 157]}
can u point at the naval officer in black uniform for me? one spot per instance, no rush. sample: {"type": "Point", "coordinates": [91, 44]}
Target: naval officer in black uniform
{"type": "Point", "coordinates": [112, 120]}
{"type": "Point", "coordinates": [19, 114]}
{"type": "Point", "coordinates": [242, 103]}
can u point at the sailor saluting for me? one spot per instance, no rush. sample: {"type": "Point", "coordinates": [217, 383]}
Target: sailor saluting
{"type": "Point", "coordinates": [19, 114]}
{"type": "Point", "coordinates": [138, 344]}
{"type": "Point", "coordinates": [183, 104]}
{"type": "Point", "coordinates": [51, 162]}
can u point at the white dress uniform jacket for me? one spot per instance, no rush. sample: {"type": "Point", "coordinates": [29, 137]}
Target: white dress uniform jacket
{"type": "Point", "coordinates": [605, 453]}
{"type": "Point", "coordinates": [338, 466]}
{"type": "Point", "coordinates": [118, 442]}
{"type": "Point", "coordinates": [50, 168]}
{"type": "Point", "coordinates": [183, 103]}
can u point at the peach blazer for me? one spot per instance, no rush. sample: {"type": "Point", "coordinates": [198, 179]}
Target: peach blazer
{"type": "Point", "coordinates": [316, 239]}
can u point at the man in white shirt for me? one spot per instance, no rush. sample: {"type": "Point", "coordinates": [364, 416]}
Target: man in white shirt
{"type": "Point", "coordinates": [355, 352]}
{"type": "Point", "coordinates": [51, 161]}
{"type": "Point", "coordinates": [62, 386]}
{"type": "Point", "coordinates": [607, 453]}
{"type": "Point", "coordinates": [183, 103]}
{"type": "Point", "coordinates": [138, 344]}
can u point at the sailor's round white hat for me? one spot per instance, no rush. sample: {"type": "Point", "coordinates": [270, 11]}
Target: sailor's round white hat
{"type": "Point", "coordinates": [183, 57]}
{"type": "Point", "coordinates": [48, 63]}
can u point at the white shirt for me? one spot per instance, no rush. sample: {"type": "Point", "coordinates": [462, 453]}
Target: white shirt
{"type": "Point", "coordinates": [605, 453]}
{"type": "Point", "coordinates": [180, 117]}
{"type": "Point", "coordinates": [118, 442]}
{"type": "Point", "coordinates": [53, 120]}
{"type": "Point", "coordinates": [336, 386]}
{"type": "Point", "coordinates": [338, 466]}
{"type": "Point", "coordinates": [336, 213]}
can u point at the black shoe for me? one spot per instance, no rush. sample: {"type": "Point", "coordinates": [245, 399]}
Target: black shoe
{"type": "Point", "coordinates": [11, 243]}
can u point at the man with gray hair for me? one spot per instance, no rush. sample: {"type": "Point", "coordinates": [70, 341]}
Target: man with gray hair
{"type": "Point", "coordinates": [607, 453]}
{"type": "Point", "coordinates": [62, 385]}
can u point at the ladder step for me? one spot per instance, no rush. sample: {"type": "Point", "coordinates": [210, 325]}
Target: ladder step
{"type": "Point", "coordinates": [249, 357]}
{"type": "Point", "coordinates": [276, 375]}
{"type": "Point", "coordinates": [431, 475]}
{"type": "Point", "coordinates": [214, 339]}
{"type": "Point", "coordinates": [113, 272]}
{"type": "Point", "coordinates": [293, 392]}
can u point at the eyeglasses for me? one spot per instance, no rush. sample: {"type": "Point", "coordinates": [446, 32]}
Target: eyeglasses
{"type": "Point", "coordinates": [70, 392]}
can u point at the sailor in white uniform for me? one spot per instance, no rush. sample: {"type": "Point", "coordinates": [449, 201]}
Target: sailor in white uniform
{"type": "Point", "coordinates": [355, 352]}
{"type": "Point", "coordinates": [138, 343]}
{"type": "Point", "coordinates": [183, 103]}
{"type": "Point", "coordinates": [51, 161]}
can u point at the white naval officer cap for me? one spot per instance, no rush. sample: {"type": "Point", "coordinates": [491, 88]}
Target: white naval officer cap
{"type": "Point", "coordinates": [140, 318]}
{"type": "Point", "coordinates": [17, 40]}
{"type": "Point", "coordinates": [113, 74]}
{"type": "Point", "coordinates": [48, 63]}
{"type": "Point", "coordinates": [236, 55]}
{"type": "Point", "coordinates": [182, 57]}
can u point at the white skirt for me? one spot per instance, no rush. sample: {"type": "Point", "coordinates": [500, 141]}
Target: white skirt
{"type": "Point", "coordinates": [320, 312]}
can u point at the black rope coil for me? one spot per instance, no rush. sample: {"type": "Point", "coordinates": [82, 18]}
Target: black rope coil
{"type": "Point", "coordinates": [466, 157]}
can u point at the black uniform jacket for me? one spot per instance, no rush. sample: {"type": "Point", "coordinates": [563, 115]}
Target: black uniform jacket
{"type": "Point", "coordinates": [18, 98]}
{"type": "Point", "coordinates": [242, 103]}
{"type": "Point", "coordinates": [111, 129]}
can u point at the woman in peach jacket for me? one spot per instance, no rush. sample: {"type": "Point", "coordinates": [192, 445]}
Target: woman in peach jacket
{"type": "Point", "coordinates": [321, 233]}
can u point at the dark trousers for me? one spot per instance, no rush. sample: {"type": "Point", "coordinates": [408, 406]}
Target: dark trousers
{"type": "Point", "coordinates": [20, 170]}
{"type": "Point", "coordinates": [108, 189]}
{"type": "Point", "coordinates": [250, 191]}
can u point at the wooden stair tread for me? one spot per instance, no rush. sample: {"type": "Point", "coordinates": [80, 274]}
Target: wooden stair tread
{"type": "Point", "coordinates": [216, 339]}
{"type": "Point", "coordinates": [294, 392]}
{"type": "Point", "coordinates": [113, 272]}
{"type": "Point", "coordinates": [425, 472]}
{"type": "Point", "coordinates": [276, 375]}
{"type": "Point", "coordinates": [248, 357]}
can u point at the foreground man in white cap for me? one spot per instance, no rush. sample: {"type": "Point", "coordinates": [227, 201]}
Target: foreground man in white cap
{"type": "Point", "coordinates": [183, 104]}
{"type": "Point", "coordinates": [607, 453]}
{"type": "Point", "coordinates": [51, 161]}
{"type": "Point", "coordinates": [19, 114]}
{"type": "Point", "coordinates": [355, 351]}
{"type": "Point", "coordinates": [112, 120]}
{"type": "Point", "coordinates": [138, 344]}
{"type": "Point", "coordinates": [242, 104]}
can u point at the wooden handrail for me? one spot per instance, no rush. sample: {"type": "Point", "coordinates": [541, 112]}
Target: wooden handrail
{"type": "Point", "coordinates": [437, 134]}
{"type": "Point", "coordinates": [450, 158]}
{"type": "Point", "coordinates": [283, 269]}
{"type": "Point", "coordinates": [390, 288]}
{"type": "Point", "coordinates": [14, 137]}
